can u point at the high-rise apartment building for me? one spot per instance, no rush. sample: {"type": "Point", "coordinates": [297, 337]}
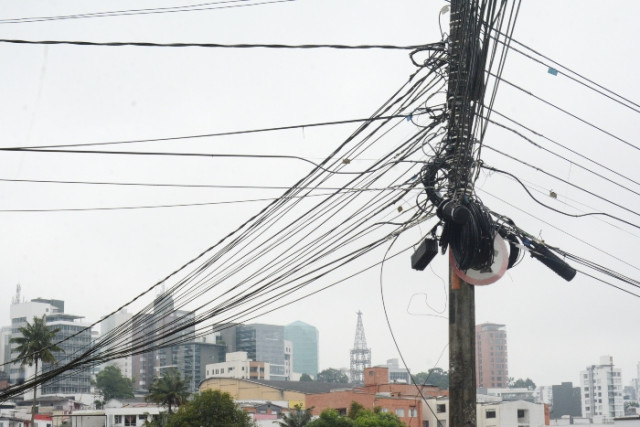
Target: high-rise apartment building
{"type": "Point", "coordinates": [491, 356]}
{"type": "Point", "coordinates": [73, 337]}
{"type": "Point", "coordinates": [601, 389]}
{"type": "Point", "coordinates": [265, 343]}
{"type": "Point", "coordinates": [304, 339]}
{"type": "Point", "coordinates": [262, 343]}
{"type": "Point", "coordinates": [170, 340]}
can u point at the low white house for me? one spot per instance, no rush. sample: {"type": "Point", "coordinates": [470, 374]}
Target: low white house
{"type": "Point", "coordinates": [117, 413]}
{"type": "Point", "coordinates": [518, 413]}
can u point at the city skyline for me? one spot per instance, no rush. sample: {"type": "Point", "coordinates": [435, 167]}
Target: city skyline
{"type": "Point", "coordinates": [483, 330]}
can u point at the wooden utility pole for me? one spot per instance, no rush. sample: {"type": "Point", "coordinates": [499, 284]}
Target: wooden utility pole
{"type": "Point", "coordinates": [462, 364]}
{"type": "Point", "coordinates": [462, 352]}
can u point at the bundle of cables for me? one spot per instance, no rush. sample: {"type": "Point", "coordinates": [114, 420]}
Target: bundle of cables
{"type": "Point", "coordinates": [468, 228]}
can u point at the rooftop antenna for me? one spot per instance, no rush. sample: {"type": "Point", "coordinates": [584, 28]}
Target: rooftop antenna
{"type": "Point", "coordinates": [16, 299]}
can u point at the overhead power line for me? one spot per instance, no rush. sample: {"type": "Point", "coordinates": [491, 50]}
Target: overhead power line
{"type": "Point", "coordinates": [174, 205]}
{"type": "Point", "coordinates": [228, 133]}
{"type": "Point", "coordinates": [214, 45]}
{"type": "Point", "coordinates": [580, 119]}
{"type": "Point", "coordinates": [176, 154]}
{"type": "Point", "coordinates": [171, 185]}
{"type": "Point", "coordinates": [229, 4]}
{"type": "Point", "coordinates": [571, 74]}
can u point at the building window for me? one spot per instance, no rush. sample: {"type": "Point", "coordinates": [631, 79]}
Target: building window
{"type": "Point", "coordinates": [441, 407]}
{"type": "Point", "coordinates": [400, 412]}
{"type": "Point", "coordinates": [384, 410]}
{"type": "Point", "coordinates": [523, 415]}
{"type": "Point", "coordinates": [129, 420]}
{"type": "Point", "coordinates": [491, 413]}
{"type": "Point", "coordinates": [142, 417]}
{"type": "Point", "coordinates": [413, 412]}
{"type": "Point", "coordinates": [118, 419]}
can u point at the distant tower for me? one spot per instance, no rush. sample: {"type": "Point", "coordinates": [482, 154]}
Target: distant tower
{"type": "Point", "coordinates": [16, 299]}
{"type": "Point", "coordinates": [360, 354]}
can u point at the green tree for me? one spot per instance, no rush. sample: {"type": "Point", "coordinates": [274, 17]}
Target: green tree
{"type": "Point", "coordinates": [305, 378]}
{"type": "Point", "coordinates": [112, 384]}
{"type": "Point", "coordinates": [331, 375]}
{"type": "Point", "coordinates": [331, 418]}
{"type": "Point", "coordinates": [211, 408]}
{"type": "Point", "coordinates": [435, 376]}
{"type": "Point", "coordinates": [354, 410]}
{"type": "Point", "coordinates": [358, 417]}
{"type": "Point", "coordinates": [297, 418]}
{"type": "Point", "coordinates": [36, 344]}
{"type": "Point", "coordinates": [520, 383]}
{"type": "Point", "coordinates": [169, 389]}
{"type": "Point", "coordinates": [367, 418]}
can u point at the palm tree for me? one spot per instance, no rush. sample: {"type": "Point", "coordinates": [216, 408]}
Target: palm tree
{"type": "Point", "coordinates": [169, 389]}
{"type": "Point", "coordinates": [36, 344]}
{"type": "Point", "coordinates": [296, 418]}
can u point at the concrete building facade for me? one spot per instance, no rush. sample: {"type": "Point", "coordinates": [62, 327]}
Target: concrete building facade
{"type": "Point", "coordinates": [492, 369]}
{"type": "Point", "coordinates": [601, 391]}
{"type": "Point", "coordinates": [118, 323]}
{"type": "Point", "coordinates": [238, 365]}
{"type": "Point", "coordinates": [398, 374]}
{"type": "Point", "coordinates": [74, 337]}
{"type": "Point", "coordinates": [566, 401]}
{"type": "Point", "coordinates": [175, 346]}
{"type": "Point", "coordinates": [403, 400]}
{"type": "Point", "coordinates": [5, 348]}
{"type": "Point", "coordinates": [264, 343]}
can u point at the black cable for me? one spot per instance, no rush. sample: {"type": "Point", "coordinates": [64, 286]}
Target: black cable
{"type": "Point", "coordinates": [564, 181]}
{"type": "Point", "coordinates": [602, 89]}
{"type": "Point", "coordinates": [175, 205]}
{"type": "Point", "coordinates": [607, 283]}
{"type": "Point", "coordinates": [294, 272]}
{"type": "Point", "coordinates": [582, 156]}
{"type": "Point", "coordinates": [176, 154]}
{"type": "Point", "coordinates": [149, 11]}
{"type": "Point", "coordinates": [554, 209]}
{"type": "Point", "coordinates": [553, 153]}
{"type": "Point", "coordinates": [220, 186]}
{"type": "Point", "coordinates": [393, 336]}
{"type": "Point", "coordinates": [217, 134]}
{"type": "Point", "coordinates": [543, 191]}
{"type": "Point", "coordinates": [563, 231]}
{"type": "Point", "coordinates": [580, 119]}
{"type": "Point", "coordinates": [214, 45]}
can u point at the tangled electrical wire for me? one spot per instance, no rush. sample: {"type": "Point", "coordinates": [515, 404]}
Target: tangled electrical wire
{"type": "Point", "coordinates": [466, 226]}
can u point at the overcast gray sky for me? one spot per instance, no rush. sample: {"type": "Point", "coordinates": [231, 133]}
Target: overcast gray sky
{"type": "Point", "coordinates": [98, 260]}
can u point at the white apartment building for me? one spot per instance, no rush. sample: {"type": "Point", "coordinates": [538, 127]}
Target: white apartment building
{"type": "Point", "coordinates": [492, 414]}
{"type": "Point", "coordinates": [73, 335]}
{"type": "Point", "coordinates": [601, 391]}
{"type": "Point", "coordinates": [238, 365]}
